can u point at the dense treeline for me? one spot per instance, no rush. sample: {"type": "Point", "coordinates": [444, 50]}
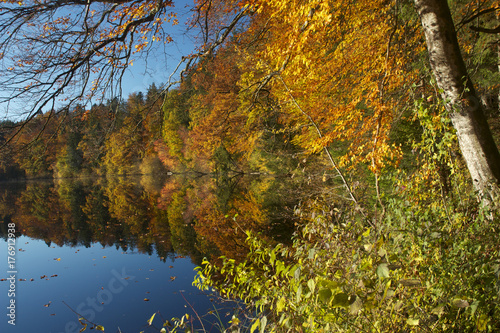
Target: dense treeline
{"type": "Point", "coordinates": [249, 107]}
{"type": "Point", "coordinates": [148, 133]}
{"type": "Point", "coordinates": [116, 137]}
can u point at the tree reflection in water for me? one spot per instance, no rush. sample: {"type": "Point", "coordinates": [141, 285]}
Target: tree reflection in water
{"type": "Point", "coordinates": [194, 217]}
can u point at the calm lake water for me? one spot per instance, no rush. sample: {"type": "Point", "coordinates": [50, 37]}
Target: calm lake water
{"type": "Point", "coordinates": [117, 251]}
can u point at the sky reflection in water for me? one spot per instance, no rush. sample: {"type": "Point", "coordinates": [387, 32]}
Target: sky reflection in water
{"type": "Point", "coordinates": [106, 285]}
{"type": "Point", "coordinates": [103, 249]}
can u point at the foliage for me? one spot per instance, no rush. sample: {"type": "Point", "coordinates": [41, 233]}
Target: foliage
{"type": "Point", "coordinates": [431, 262]}
{"type": "Point", "coordinates": [422, 270]}
{"type": "Point", "coordinates": [113, 138]}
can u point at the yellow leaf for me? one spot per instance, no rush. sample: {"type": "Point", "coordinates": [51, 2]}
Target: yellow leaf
{"type": "Point", "coordinates": [151, 319]}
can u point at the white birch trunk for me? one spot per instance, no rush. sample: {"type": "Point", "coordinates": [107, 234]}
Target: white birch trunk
{"type": "Point", "coordinates": [466, 113]}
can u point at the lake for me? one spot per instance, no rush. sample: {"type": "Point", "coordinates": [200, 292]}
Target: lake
{"type": "Point", "coordinates": [117, 251]}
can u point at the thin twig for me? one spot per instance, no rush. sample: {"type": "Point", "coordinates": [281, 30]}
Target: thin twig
{"type": "Point", "coordinates": [196, 313]}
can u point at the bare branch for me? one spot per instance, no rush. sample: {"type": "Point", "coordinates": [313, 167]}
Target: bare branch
{"type": "Point", "coordinates": [64, 51]}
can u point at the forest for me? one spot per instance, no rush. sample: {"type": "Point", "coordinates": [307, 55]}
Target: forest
{"type": "Point", "coordinates": [389, 108]}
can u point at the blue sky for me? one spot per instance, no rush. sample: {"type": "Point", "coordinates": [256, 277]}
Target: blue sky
{"type": "Point", "coordinates": [164, 57]}
{"type": "Point", "coordinates": [153, 67]}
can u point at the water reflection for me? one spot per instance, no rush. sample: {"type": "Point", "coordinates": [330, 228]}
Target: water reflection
{"type": "Point", "coordinates": [80, 241]}
{"type": "Point", "coordinates": [193, 217]}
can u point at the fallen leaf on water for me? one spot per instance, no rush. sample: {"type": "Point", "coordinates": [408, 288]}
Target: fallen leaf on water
{"type": "Point", "coordinates": [104, 256]}
{"type": "Point", "coordinates": [53, 275]}
{"type": "Point", "coordinates": [170, 266]}
{"type": "Point", "coordinates": [57, 259]}
{"type": "Point", "coordinates": [43, 276]}
{"type": "Point", "coordinates": [172, 278]}
{"type": "Point", "coordinates": [48, 304]}
{"type": "Point", "coordinates": [146, 299]}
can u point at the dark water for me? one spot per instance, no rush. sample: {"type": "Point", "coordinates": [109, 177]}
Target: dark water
{"type": "Point", "coordinates": [117, 251]}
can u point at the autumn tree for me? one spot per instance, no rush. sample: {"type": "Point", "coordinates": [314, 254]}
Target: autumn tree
{"type": "Point", "coordinates": [126, 144]}
{"type": "Point", "coordinates": [69, 156]}
{"type": "Point", "coordinates": [175, 125]}
{"type": "Point", "coordinates": [97, 124]}
{"type": "Point", "coordinates": [8, 166]}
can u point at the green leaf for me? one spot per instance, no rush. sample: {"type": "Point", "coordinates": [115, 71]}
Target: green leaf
{"type": "Point", "coordinates": [459, 303]}
{"type": "Point", "coordinates": [482, 322]}
{"type": "Point", "coordinates": [150, 321]}
{"type": "Point", "coordinates": [324, 295]}
{"type": "Point", "coordinates": [312, 253]}
{"type": "Point", "coordinates": [356, 306]}
{"type": "Point", "coordinates": [412, 322]}
{"type": "Point", "coordinates": [383, 270]}
{"type": "Point", "coordinates": [330, 284]}
{"type": "Point", "coordinates": [311, 284]}
{"type": "Point", "coordinates": [340, 300]}
{"type": "Point", "coordinates": [296, 274]}
{"type": "Point", "coordinates": [438, 310]}
{"type": "Point", "coordinates": [474, 306]}
{"type": "Point", "coordinates": [299, 294]}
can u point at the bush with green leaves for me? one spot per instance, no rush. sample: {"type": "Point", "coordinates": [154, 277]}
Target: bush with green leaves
{"type": "Point", "coordinates": [421, 270]}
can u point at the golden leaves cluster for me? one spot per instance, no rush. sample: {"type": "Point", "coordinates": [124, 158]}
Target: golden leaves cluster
{"type": "Point", "coordinates": [345, 63]}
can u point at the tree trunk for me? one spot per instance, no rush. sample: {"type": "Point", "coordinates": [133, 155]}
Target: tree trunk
{"type": "Point", "coordinates": [466, 113]}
